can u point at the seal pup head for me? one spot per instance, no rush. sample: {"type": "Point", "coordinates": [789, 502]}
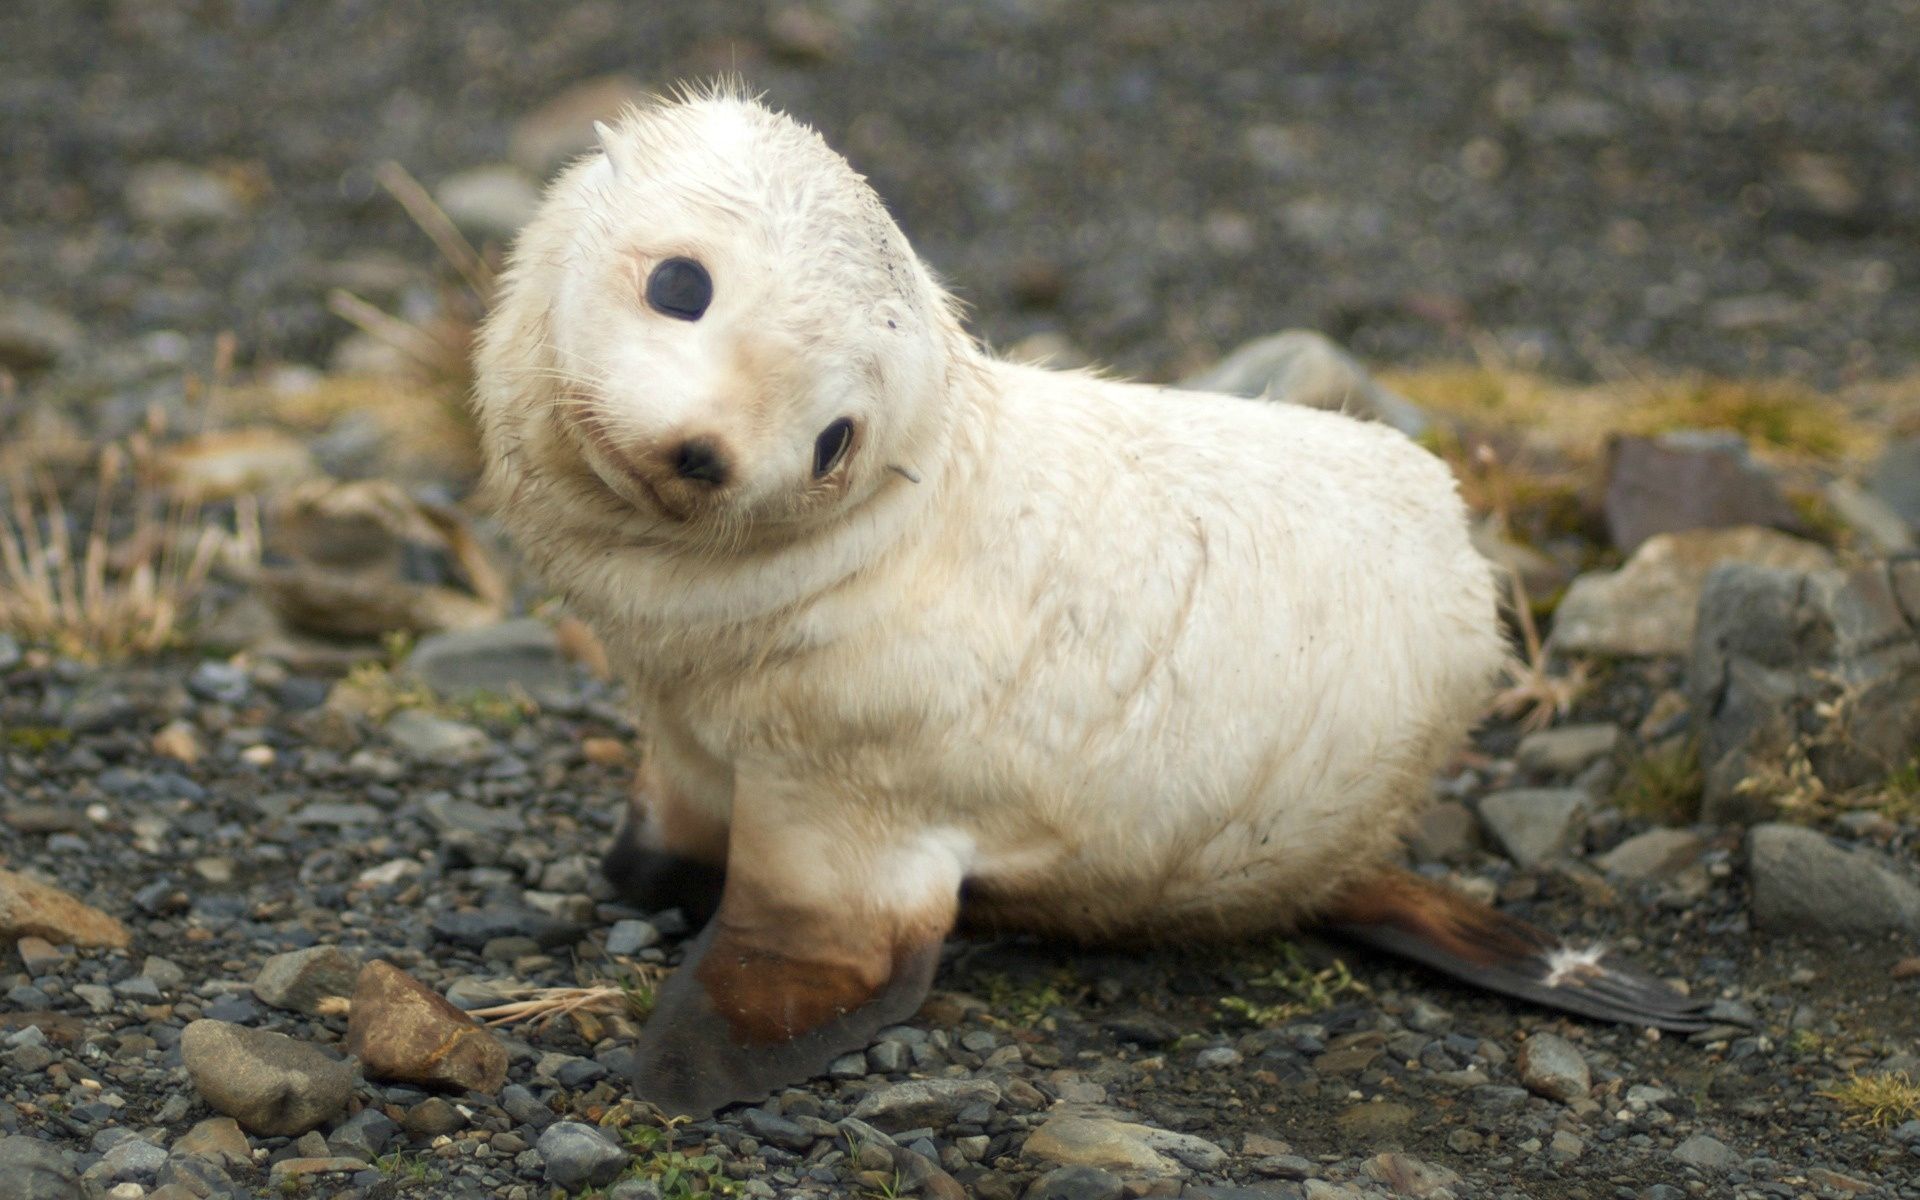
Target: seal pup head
{"type": "Point", "coordinates": [712, 333]}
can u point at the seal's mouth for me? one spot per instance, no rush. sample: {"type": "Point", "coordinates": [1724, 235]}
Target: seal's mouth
{"type": "Point", "coordinates": [612, 467]}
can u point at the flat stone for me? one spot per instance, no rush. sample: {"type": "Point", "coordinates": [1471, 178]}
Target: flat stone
{"type": "Point", "coordinates": [1533, 825]}
{"type": "Point", "coordinates": [1365, 1123]}
{"type": "Point", "coordinates": [1688, 480]}
{"type": "Point", "coordinates": [1299, 366]}
{"type": "Point", "coordinates": [933, 1103]}
{"type": "Point", "coordinates": [270, 1083]}
{"type": "Point", "coordinates": [134, 1160]}
{"type": "Point", "coordinates": [1803, 883]}
{"type": "Point", "coordinates": [300, 979]}
{"type": "Point", "coordinates": [1551, 1066]}
{"type": "Point", "coordinates": [521, 654]}
{"type": "Point", "coordinates": [429, 738]}
{"type": "Point", "coordinates": [29, 908]}
{"type": "Point", "coordinates": [217, 1138]}
{"type": "Point", "coordinates": [289, 1169]}
{"type": "Point", "coordinates": [39, 956]}
{"type": "Point", "coordinates": [1709, 1154]}
{"type": "Point", "coordinates": [1405, 1175]}
{"type": "Point", "coordinates": [475, 928]}
{"type": "Point", "coordinates": [1654, 854]}
{"type": "Point", "coordinates": [1896, 479]}
{"type": "Point", "coordinates": [1076, 1183]}
{"type": "Point", "coordinates": [404, 1031]}
{"type": "Point", "coordinates": [35, 1170]}
{"type": "Point", "coordinates": [578, 1156]}
{"type": "Point", "coordinates": [1650, 606]}
{"type": "Point", "coordinates": [1566, 750]}
{"type": "Point", "coordinates": [177, 194]}
{"type": "Point", "coordinates": [492, 200]}
{"type": "Point", "coordinates": [1444, 832]}
{"type": "Point", "coordinates": [1102, 1142]}
{"type": "Point", "coordinates": [33, 336]}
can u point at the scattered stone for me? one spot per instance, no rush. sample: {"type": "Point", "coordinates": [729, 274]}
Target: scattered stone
{"type": "Point", "coordinates": [422, 736]}
{"type": "Point", "coordinates": [1535, 824]}
{"type": "Point", "coordinates": [1551, 1066]}
{"type": "Point", "coordinates": [1804, 681]}
{"type": "Point", "coordinates": [29, 908]}
{"type": "Point", "coordinates": [1368, 1123]}
{"type": "Point", "coordinates": [562, 128]}
{"type": "Point", "coordinates": [1650, 606]}
{"type": "Point", "coordinates": [39, 956]}
{"type": "Point", "coordinates": [475, 928]}
{"type": "Point", "coordinates": [10, 653]}
{"type": "Point", "coordinates": [1405, 1175]}
{"type": "Point", "coordinates": [432, 1118]}
{"type": "Point", "coordinates": [217, 1138]}
{"type": "Point", "coordinates": [1567, 750]}
{"type": "Point", "coordinates": [522, 654]}
{"type": "Point", "coordinates": [300, 979]}
{"type": "Point", "coordinates": [450, 815]}
{"type": "Point", "coordinates": [1803, 883]}
{"type": "Point", "coordinates": [923, 1102]}
{"type": "Point", "coordinates": [268, 1082]}
{"type": "Point", "coordinates": [492, 200]}
{"type": "Point", "coordinates": [631, 936]}
{"type": "Point", "coordinates": [289, 1171]}
{"type": "Point", "coordinates": [1300, 366]}
{"type": "Point", "coordinates": [1652, 855]}
{"type": "Point", "coordinates": [1084, 1141]}
{"type": "Point", "coordinates": [1896, 479]}
{"type": "Point", "coordinates": [33, 1170]}
{"type": "Point", "coordinates": [1076, 1183]}
{"type": "Point", "coordinates": [33, 336]}
{"type": "Point", "coordinates": [1688, 480]}
{"type": "Point", "coordinates": [364, 1135]}
{"type": "Point", "coordinates": [1706, 1153]}
{"type": "Point", "coordinates": [402, 1030]}
{"type": "Point", "coordinates": [578, 1156]}
{"type": "Point", "coordinates": [180, 741]}
{"type": "Point", "coordinates": [1881, 529]}
{"type": "Point", "coordinates": [176, 194]}
{"type": "Point", "coordinates": [134, 1160]}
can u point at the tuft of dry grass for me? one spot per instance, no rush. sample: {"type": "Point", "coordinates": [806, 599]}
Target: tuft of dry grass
{"type": "Point", "coordinates": [1877, 1101]}
{"type": "Point", "coordinates": [632, 998]}
{"type": "Point", "coordinates": [1664, 785]}
{"type": "Point", "coordinates": [127, 583]}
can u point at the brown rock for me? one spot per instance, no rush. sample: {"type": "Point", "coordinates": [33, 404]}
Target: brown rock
{"type": "Point", "coordinates": [1907, 968]}
{"type": "Point", "coordinates": [402, 1030]}
{"type": "Point", "coordinates": [217, 1138]}
{"type": "Point", "coordinates": [32, 909]}
{"type": "Point", "coordinates": [1406, 1175]}
{"type": "Point", "coordinates": [1688, 480]}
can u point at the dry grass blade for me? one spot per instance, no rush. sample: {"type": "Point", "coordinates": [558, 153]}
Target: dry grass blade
{"type": "Point", "coordinates": [543, 1005]}
{"type": "Point", "coordinates": [434, 222]}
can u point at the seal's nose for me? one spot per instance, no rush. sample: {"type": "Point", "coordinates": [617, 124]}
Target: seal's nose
{"type": "Point", "coordinates": [699, 460]}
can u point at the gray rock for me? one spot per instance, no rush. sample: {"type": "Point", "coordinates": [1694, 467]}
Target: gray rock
{"type": "Point", "coordinates": [1444, 832]}
{"type": "Point", "coordinates": [631, 936]}
{"type": "Point", "coordinates": [1707, 1153]}
{"type": "Point", "coordinates": [450, 815]}
{"type": "Point", "coordinates": [1551, 1066]}
{"type": "Point", "coordinates": [1303, 367]}
{"type": "Point", "coordinates": [1803, 672]}
{"type": "Point", "coordinates": [1879, 527]}
{"type": "Point", "coordinates": [31, 1169]}
{"type": "Point", "coordinates": [474, 929]}
{"type": "Point", "coordinates": [521, 654]}
{"type": "Point", "coordinates": [1077, 1183]}
{"type": "Point", "coordinates": [888, 1058]}
{"type": "Point", "coordinates": [1651, 855]}
{"type": "Point", "coordinates": [776, 1130]}
{"type": "Point", "coordinates": [493, 200]}
{"type": "Point", "coordinates": [268, 1082]}
{"type": "Point", "coordinates": [9, 652]}
{"type": "Point", "coordinates": [1535, 824]}
{"type": "Point", "coordinates": [1896, 479]}
{"type": "Point", "coordinates": [364, 1135]}
{"type": "Point", "coordinates": [33, 336]}
{"type": "Point", "coordinates": [1804, 883]}
{"type": "Point", "coordinates": [300, 979]}
{"type": "Point", "coordinates": [578, 1156]}
{"type": "Point", "coordinates": [934, 1103]}
{"type": "Point", "coordinates": [134, 1160]}
{"type": "Point", "coordinates": [1567, 750]}
{"type": "Point", "coordinates": [178, 194]}
{"type": "Point", "coordinates": [1650, 606]}
{"type": "Point", "coordinates": [425, 737]}
{"type": "Point", "coordinates": [1688, 480]}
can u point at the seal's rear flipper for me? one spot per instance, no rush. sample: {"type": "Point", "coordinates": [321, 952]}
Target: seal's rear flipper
{"type": "Point", "coordinates": [818, 945]}
{"type": "Point", "coordinates": [1409, 917]}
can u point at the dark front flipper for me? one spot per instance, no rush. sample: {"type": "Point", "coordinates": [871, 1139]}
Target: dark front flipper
{"type": "Point", "coordinates": [1407, 916]}
{"type": "Point", "coordinates": [651, 879]}
{"type": "Point", "coordinates": [735, 1023]}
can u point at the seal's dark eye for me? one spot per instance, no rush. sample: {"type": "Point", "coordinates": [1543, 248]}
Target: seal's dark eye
{"type": "Point", "coordinates": [680, 287]}
{"type": "Point", "coordinates": [831, 446]}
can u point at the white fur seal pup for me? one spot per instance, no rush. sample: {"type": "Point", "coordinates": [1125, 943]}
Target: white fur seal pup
{"type": "Point", "coordinates": [909, 624]}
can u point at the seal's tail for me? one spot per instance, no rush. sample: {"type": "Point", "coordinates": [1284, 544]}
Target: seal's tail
{"type": "Point", "coordinates": [1410, 917]}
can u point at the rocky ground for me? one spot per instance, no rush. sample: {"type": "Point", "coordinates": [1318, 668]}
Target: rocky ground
{"type": "Point", "coordinates": [257, 854]}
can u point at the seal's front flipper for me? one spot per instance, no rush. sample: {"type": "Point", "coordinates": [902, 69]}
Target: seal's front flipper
{"type": "Point", "coordinates": [1407, 916]}
{"type": "Point", "coordinates": [813, 951]}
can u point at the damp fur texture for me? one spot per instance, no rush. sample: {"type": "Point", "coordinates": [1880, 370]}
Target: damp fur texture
{"type": "Point", "coordinates": [1129, 661]}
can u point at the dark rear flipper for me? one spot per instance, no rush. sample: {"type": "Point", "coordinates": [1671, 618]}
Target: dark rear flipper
{"type": "Point", "coordinates": [1409, 917]}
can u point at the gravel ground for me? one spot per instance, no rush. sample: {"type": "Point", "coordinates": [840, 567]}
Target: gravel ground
{"type": "Point", "coordinates": [1713, 185]}
{"type": "Point", "coordinates": [1723, 187]}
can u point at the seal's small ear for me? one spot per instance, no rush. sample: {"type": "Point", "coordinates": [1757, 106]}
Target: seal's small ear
{"type": "Point", "coordinates": [611, 147]}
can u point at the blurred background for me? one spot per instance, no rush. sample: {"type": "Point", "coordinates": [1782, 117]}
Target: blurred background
{"type": "Point", "coordinates": [1587, 186]}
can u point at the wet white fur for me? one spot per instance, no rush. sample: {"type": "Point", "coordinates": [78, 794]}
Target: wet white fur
{"type": "Point", "coordinates": [1137, 660]}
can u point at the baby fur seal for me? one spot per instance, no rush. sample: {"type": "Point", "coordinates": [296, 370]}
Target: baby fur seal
{"type": "Point", "coordinates": [914, 630]}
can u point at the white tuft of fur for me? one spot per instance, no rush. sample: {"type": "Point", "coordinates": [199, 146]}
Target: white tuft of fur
{"type": "Point", "coordinates": [1151, 661]}
{"type": "Point", "coordinates": [1568, 964]}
